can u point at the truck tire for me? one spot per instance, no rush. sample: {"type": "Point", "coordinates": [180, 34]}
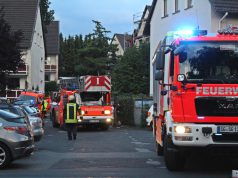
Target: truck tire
{"type": "Point", "coordinates": [159, 149]}
{"type": "Point", "coordinates": [5, 156]}
{"type": "Point", "coordinates": [174, 159]}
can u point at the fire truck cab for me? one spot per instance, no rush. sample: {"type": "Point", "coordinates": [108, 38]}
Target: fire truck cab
{"type": "Point", "coordinates": [94, 99]}
{"type": "Point", "coordinates": [195, 94]}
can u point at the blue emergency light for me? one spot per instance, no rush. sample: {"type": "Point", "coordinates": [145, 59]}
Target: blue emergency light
{"type": "Point", "coordinates": [190, 33]}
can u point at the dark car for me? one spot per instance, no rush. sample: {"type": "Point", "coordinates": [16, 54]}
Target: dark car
{"type": "Point", "coordinates": [16, 139]}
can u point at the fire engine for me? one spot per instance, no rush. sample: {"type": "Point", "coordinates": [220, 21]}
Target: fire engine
{"type": "Point", "coordinates": [94, 98]}
{"type": "Point", "coordinates": [195, 94]}
{"type": "Point", "coordinates": [68, 86]}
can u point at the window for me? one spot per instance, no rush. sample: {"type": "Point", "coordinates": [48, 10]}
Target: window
{"type": "Point", "coordinates": [189, 4]}
{"type": "Point", "coordinates": [176, 6]}
{"type": "Point", "coordinates": [47, 77]}
{"type": "Point", "coordinates": [165, 8]}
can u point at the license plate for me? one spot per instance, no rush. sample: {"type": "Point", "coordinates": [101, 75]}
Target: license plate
{"type": "Point", "coordinates": [94, 121]}
{"type": "Point", "coordinates": [227, 129]}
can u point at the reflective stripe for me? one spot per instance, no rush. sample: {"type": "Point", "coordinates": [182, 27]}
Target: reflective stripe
{"type": "Point", "coordinates": [71, 113]}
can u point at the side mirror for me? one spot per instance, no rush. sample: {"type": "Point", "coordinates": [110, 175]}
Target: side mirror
{"type": "Point", "coordinates": [182, 57]}
{"type": "Point", "coordinates": [179, 50]}
{"type": "Point", "coordinates": [159, 75]}
{"type": "Point", "coordinates": [159, 60]}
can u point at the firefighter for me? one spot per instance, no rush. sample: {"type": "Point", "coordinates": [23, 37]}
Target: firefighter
{"type": "Point", "coordinates": [44, 106]}
{"type": "Point", "coordinates": [70, 117]}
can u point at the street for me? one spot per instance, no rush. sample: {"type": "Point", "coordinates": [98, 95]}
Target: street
{"type": "Point", "coordinates": [118, 152]}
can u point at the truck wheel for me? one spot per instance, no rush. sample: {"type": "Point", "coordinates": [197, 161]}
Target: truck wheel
{"type": "Point", "coordinates": [5, 156]}
{"type": "Point", "coordinates": [174, 160]}
{"type": "Point", "coordinates": [159, 149]}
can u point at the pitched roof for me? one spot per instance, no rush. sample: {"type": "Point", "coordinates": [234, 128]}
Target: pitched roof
{"type": "Point", "coordinates": [21, 15]}
{"type": "Point", "coordinates": [222, 6]}
{"type": "Point", "coordinates": [52, 38]}
{"type": "Point", "coordinates": [147, 25]}
{"type": "Point", "coordinates": [122, 38]}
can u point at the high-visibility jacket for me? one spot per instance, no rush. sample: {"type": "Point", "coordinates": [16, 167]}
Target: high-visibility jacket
{"type": "Point", "coordinates": [71, 113]}
{"type": "Point", "coordinates": [44, 106]}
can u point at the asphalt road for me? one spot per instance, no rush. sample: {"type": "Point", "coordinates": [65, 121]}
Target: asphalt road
{"type": "Point", "coordinates": [118, 152]}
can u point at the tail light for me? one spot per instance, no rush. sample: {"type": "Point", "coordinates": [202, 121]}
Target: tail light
{"type": "Point", "coordinates": [19, 130]}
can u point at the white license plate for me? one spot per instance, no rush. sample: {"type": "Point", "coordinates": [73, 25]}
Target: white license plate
{"type": "Point", "coordinates": [94, 121]}
{"type": "Point", "coordinates": [227, 129]}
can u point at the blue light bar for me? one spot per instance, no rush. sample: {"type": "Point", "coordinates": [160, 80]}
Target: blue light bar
{"type": "Point", "coordinates": [189, 33]}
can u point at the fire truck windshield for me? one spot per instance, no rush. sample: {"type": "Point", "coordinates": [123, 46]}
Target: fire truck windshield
{"type": "Point", "coordinates": [92, 98]}
{"type": "Point", "coordinates": [209, 62]}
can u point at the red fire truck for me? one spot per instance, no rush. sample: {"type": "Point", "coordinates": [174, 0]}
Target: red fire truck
{"type": "Point", "coordinates": [196, 94]}
{"type": "Point", "coordinates": [94, 98]}
{"type": "Point", "coordinates": [68, 86]}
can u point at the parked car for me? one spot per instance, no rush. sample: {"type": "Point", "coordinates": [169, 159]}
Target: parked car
{"type": "Point", "coordinates": [149, 119]}
{"type": "Point", "coordinates": [35, 123]}
{"type": "Point", "coordinates": [16, 139]}
{"type": "Point", "coordinates": [32, 111]}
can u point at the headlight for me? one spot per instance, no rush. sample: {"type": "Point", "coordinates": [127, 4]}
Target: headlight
{"type": "Point", "coordinates": [182, 129]}
{"type": "Point", "coordinates": [82, 112]}
{"type": "Point", "coordinates": [108, 120]}
{"type": "Point", "coordinates": [107, 112]}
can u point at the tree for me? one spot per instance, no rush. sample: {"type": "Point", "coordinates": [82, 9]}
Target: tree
{"type": "Point", "coordinates": [10, 54]}
{"type": "Point", "coordinates": [88, 56]}
{"type": "Point", "coordinates": [131, 74]}
{"type": "Point", "coordinates": [47, 15]}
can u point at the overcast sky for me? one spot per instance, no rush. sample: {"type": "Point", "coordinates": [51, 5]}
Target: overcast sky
{"type": "Point", "coordinates": [76, 16]}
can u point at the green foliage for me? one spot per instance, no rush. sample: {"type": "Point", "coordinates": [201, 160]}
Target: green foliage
{"type": "Point", "coordinates": [125, 108]}
{"type": "Point", "coordinates": [88, 55]}
{"type": "Point", "coordinates": [131, 75]}
{"type": "Point", "coordinates": [10, 54]}
{"type": "Point", "coordinates": [47, 15]}
{"type": "Point", "coordinates": [50, 86]}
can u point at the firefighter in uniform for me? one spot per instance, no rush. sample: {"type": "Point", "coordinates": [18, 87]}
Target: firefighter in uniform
{"type": "Point", "coordinates": [70, 116]}
{"type": "Point", "coordinates": [44, 106]}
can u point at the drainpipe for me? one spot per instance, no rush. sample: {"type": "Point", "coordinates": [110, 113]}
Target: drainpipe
{"type": "Point", "coordinates": [220, 21]}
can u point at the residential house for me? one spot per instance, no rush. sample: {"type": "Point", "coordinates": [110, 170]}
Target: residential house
{"type": "Point", "coordinates": [171, 15]}
{"type": "Point", "coordinates": [123, 41]}
{"type": "Point", "coordinates": [52, 52]}
{"type": "Point", "coordinates": [142, 34]}
{"type": "Point", "coordinates": [25, 15]}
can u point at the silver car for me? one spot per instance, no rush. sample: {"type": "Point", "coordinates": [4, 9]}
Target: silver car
{"type": "Point", "coordinates": [16, 139]}
{"type": "Point", "coordinates": [36, 123]}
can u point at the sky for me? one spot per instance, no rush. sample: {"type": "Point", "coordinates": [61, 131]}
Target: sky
{"type": "Point", "coordinates": [76, 16]}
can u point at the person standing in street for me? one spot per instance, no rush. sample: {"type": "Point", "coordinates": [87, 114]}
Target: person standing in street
{"type": "Point", "coordinates": [70, 116]}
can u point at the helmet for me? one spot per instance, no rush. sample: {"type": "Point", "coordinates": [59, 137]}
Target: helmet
{"type": "Point", "coordinates": [71, 98]}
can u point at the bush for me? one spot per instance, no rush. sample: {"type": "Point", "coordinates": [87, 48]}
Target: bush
{"type": "Point", "coordinates": [125, 110]}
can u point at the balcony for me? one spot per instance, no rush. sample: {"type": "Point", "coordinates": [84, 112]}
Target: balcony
{"type": "Point", "coordinates": [13, 94]}
{"type": "Point", "coordinates": [23, 70]}
{"type": "Point", "coordinates": [50, 68]}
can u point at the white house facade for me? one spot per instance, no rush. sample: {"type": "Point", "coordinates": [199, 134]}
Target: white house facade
{"type": "Point", "coordinates": [172, 15]}
{"type": "Point", "coordinates": [25, 16]}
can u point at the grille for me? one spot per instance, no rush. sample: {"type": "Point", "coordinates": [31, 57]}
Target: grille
{"type": "Point", "coordinates": [217, 106]}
